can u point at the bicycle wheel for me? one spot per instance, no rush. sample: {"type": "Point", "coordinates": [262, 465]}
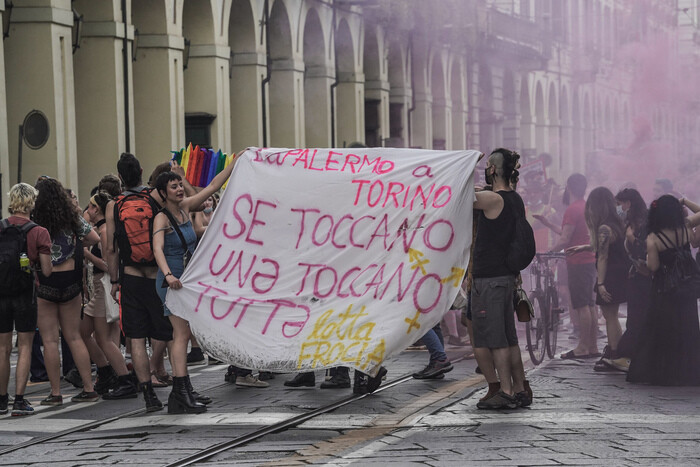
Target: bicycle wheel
{"type": "Point", "coordinates": [535, 331]}
{"type": "Point", "coordinates": [552, 323]}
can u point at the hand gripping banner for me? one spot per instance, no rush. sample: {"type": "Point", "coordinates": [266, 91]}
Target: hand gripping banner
{"type": "Point", "coordinates": [317, 258]}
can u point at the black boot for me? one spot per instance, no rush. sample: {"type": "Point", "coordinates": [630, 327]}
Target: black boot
{"type": "Point", "coordinates": [124, 389]}
{"type": "Point", "coordinates": [197, 396]}
{"type": "Point", "coordinates": [360, 383]}
{"type": "Point", "coordinates": [373, 382]}
{"type": "Point", "coordinates": [180, 399]}
{"type": "Point", "coordinates": [106, 379]}
{"type": "Point", "coordinates": [340, 379]}
{"type": "Point", "coordinates": [149, 396]}
{"type": "Point", "coordinates": [302, 380]}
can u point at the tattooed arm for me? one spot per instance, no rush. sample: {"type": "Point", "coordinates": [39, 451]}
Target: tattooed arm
{"type": "Point", "coordinates": [604, 240]}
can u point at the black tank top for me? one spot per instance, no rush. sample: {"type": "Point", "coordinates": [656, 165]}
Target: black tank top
{"type": "Point", "coordinates": [493, 236]}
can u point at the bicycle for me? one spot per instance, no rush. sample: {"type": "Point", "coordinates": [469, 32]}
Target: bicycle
{"type": "Point", "coordinates": [541, 330]}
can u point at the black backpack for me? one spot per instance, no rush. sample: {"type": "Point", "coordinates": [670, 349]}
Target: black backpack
{"type": "Point", "coordinates": [522, 248]}
{"type": "Point", "coordinates": [13, 242]}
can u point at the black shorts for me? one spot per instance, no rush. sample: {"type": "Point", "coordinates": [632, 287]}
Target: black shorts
{"type": "Point", "coordinates": [493, 316]}
{"type": "Point", "coordinates": [581, 283]}
{"type": "Point", "coordinates": [142, 311]}
{"type": "Point", "coordinates": [60, 287]}
{"type": "Point", "coordinates": [18, 313]}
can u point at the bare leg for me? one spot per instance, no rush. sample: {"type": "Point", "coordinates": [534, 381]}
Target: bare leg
{"type": "Point", "coordinates": [94, 350]}
{"type": "Point", "coordinates": [502, 360]}
{"type": "Point", "coordinates": [483, 358]}
{"type": "Point", "coordinates": [139, 357]}
{"type": "Point", "coordinates": [5, 351]}
{"type": "Point", "coordinates": [612, 324]}
{"type": "Point", "coordinates": [517, 369]}
{"type": "Point", "coordinates": [47, 321]}
{"type": "Point", "coordinates": [158, 356]}
{"type": "Point", "coordinates": [24, 360]}
{"type": "Point", "coordinates": [178, 346]}
{"type": "Point", "coordinates": [69, 319]}
{"type": "Point", "coordinates": [104, 333]}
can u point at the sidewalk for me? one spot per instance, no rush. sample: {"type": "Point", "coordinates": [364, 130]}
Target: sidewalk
{"type": "Point", "coordinates": [578, 417]}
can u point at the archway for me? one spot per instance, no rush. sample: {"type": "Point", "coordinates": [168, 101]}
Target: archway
{"type": "Point", "coordinates": [318, 79]}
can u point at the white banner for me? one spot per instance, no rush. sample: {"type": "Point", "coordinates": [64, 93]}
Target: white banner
{"type": "Point", "coordinates": [324, 257]}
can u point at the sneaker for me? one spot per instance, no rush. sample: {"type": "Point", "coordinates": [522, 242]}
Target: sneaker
{"type": "Point", "coordinates": [3, 403]}
{"type": "Point", "coordinates": [265, 375]}
{"type": "Point", "coordinates": [250, 381]}
{"type": "Point", "coordinates": [52, 400]}
{"type": "Point", "coordinates": [523, 399]}
{"type": "Point", "coordinates": [434, 368]}
{"type": "Point", "coordinates": [500, 400]}
{"type": "Point", "coordinates": [22, 408]}
{"type": "Point", "coordinates": [86, 397]}
{"type": "Point", "coordinates": [73, 377]}
{"type": "Point", "coordinates": [620, 364]}
{"type": "Point", "coordinates": [195, 357]}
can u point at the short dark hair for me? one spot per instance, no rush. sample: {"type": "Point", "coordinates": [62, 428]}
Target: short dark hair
{"type": "Point", "coordinates": [509, 164]}
{"type": "Point", "coordinates": [160, 168]}
{"type": "Point", "coordinates": [129, 170]}
{"type": "Point", "coordinates": [576, 184]}
{"type": "Point", "coordinates": [161, 183]}
{"type": "Point", "coordinates": [111, 184]}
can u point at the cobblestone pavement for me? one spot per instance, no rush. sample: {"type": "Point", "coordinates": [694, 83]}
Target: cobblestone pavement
{"type": "Point", "coordinates": [578, 417]}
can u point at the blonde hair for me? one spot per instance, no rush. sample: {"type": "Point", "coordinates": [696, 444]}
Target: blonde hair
{"type": "Point", "coordinates": [22, 198]}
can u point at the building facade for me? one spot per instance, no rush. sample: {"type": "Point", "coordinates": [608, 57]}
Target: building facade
{"type": "Point", "coordinates": [147, 76]}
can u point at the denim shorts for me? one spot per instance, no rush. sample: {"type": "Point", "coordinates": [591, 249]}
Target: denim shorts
{"type": "Point", "coordinates": [493, 316]}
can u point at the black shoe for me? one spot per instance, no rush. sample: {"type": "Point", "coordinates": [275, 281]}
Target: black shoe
{"type": "Point", "coordinates": [434, 368]}
{"type": "Point", "coordinates": [3, 403]}
{"type": "Point", "coordinates": [84, 396]}
{"type": "Point", "coordinates": [523, 399]}
{"type": "Point", "coordinates": [213, 361]}
{"type": "Point", "coordinates": [39, 379]}
{"type": "Point", "coordinates": [265, 375]}
{"type": "Point", "coordinates": [202, 399]}
{"type": "Point", "coordinates": [337, 381]}
{"type": "Point", "coordinates": [307, 379]}
{"type": "Point", "coordinates": [124, 389]}
{"type": "Point", "coordinates": [360, 382]}
{"type": "Point", "coordinates": [21, 408]}
{"type": "Point", "coordinates": [149, 396]}
{"type": "Point", "coordinates": [106, 379]}
{"type": "Point", "coordinates": [195, 357]}
{"type": "Point", "coordinates": [181, 400]}
{"type": "Point", "coordinates": [73, 377]}
{"type": "Point", "coordinates": [230, 376]}
{"type": "Point", "coordinates": [373, 382]}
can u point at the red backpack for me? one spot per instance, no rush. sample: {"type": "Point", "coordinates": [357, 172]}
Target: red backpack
{"type": "Point", "coordinates": [133, 227]}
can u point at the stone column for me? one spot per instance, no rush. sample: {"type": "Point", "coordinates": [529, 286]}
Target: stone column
{"type": "Point", "coordinates": [101, 115]}
{"type": "Point", "coordinates": [317, 108]}
{"type": "Point", "coordinates": [247, 73]}
{"type": "Point", "coordinates": [39, 75]}
{"type": "Point", "coordinates": [442, 122]}
{"type": "Point", "coordinates": [399, 121]}
{"type": "Point", "coordinates": [350, 108]}
{"type": "Point", "coordinates": [380, 90]}
{"type": "Point", "coordinates": [159, 102]}
{"type": "Point", "coordinates": [286, 104]}
{"type": "Point", "coordinates": [7, 178]}
{"type": "Point", "coordinates": [207, 90]}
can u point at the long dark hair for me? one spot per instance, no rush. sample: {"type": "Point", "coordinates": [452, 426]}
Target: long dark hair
{"type": "Point", "coordinates": [638, 214]}
{"type": "Point", "coordinates": [601, 209]}
{"type": "Point", "coordinates": [665, 213]}
{"type": "Point", "coordinates": [54, 209]}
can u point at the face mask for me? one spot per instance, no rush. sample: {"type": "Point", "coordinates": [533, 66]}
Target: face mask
{"type": "Point", "coordinates": [621, 212]}
{"type": "Point", "coordinates": [207, 210]}
{"type": "Point", "coordinates": [487, 177]}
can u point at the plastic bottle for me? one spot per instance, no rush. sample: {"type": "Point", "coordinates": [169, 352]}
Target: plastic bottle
{"type": "Point", "coordinates": [24, 263]}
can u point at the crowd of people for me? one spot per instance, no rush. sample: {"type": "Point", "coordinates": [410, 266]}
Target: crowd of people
{"type": "Point", "coordinates": [132, 242]}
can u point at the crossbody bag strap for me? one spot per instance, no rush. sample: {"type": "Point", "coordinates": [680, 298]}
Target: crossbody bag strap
{"type": "Point", "coordinates": [176, 227]}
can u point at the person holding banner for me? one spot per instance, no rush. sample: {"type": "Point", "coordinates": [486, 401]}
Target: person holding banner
{"type": "Point", "coordinates": [174, 241]}
{"type": "Point", "coordinates": [494, 283]}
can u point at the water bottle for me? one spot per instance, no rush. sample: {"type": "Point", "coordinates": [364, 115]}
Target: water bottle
{"type": "Point", "coordinates": [24, 263]}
